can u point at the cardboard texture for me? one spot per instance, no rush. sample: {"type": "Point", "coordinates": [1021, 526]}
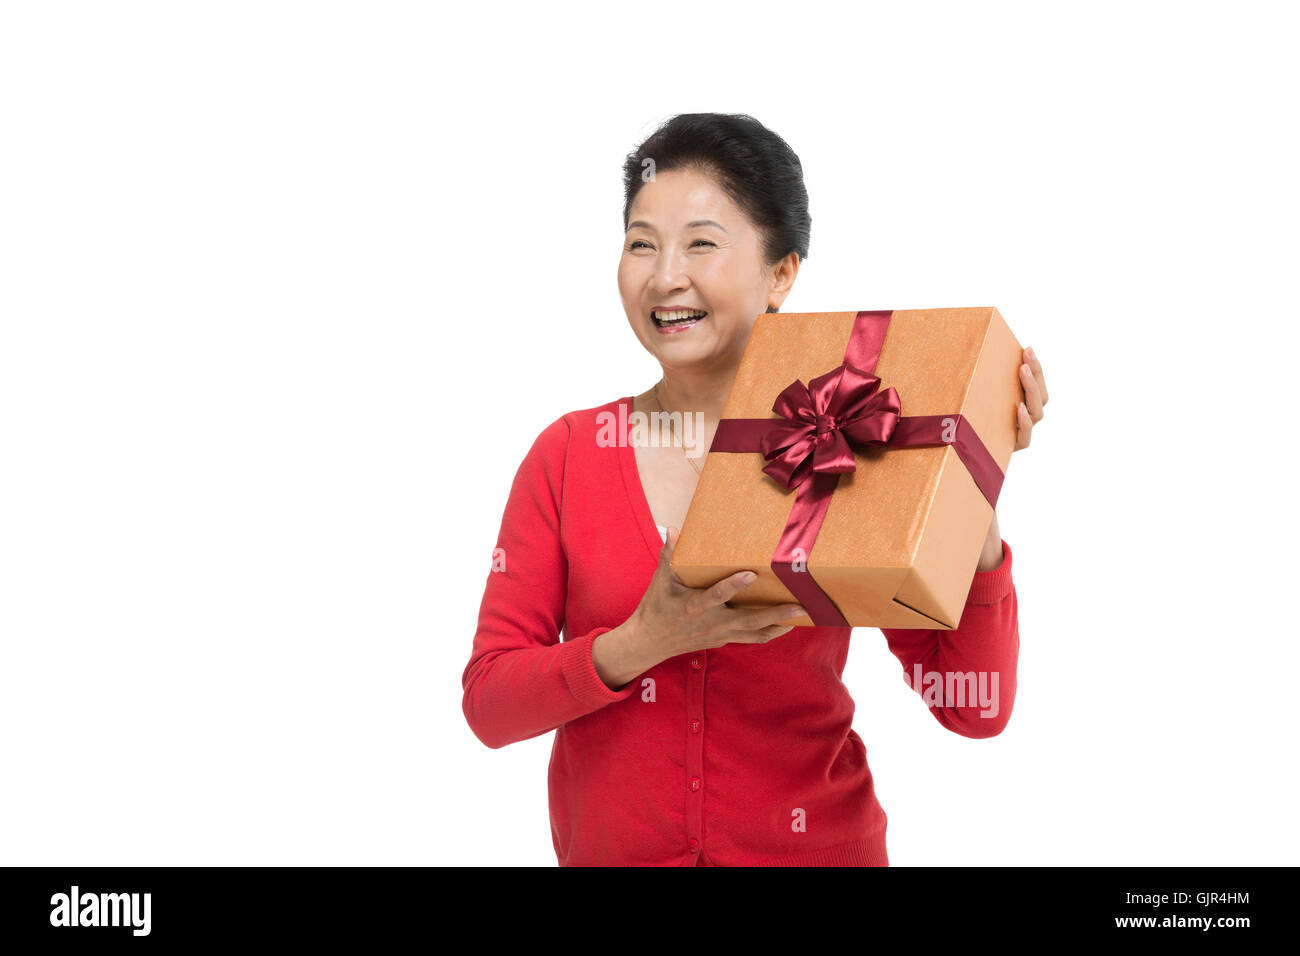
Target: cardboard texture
{"type": "Point", "coordinates": [903, 533]}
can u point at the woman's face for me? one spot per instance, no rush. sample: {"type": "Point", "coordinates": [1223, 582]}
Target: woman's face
{"type": "Point", "coordinates": [688, 245]}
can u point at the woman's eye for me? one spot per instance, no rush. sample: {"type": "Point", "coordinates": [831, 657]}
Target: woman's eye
{"type": "Point", "coordinates": [638, 242]}
{"type": "Point", "coordinates": [702, 240]}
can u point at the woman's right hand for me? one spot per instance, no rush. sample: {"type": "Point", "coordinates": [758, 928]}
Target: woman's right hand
{"type": "Point", "coordinates": [673, 619]}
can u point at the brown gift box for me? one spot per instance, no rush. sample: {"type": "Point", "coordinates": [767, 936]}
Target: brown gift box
{"type": "Point", "coordinates": [903, 533]}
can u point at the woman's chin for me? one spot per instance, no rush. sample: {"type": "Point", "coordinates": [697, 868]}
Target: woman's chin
{"type": "Point", "coordinates": [681, 346]}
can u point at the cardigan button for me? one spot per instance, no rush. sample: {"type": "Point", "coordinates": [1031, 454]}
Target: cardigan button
{"type": "Point", "coordinates": [695, 726]}
{"type": "Point", "coordinates": [695, 783]}
{"type": "Point", "coordinates": [697, 662]}
{"type": "Point", "coordinates": [694, 845]}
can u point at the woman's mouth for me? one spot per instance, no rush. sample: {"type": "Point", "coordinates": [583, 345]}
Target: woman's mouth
{"type": "Point", "coordinates": [669, 321]}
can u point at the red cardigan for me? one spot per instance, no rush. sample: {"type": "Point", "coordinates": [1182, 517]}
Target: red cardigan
{"type": "Point", "coordinates": [741, 755]}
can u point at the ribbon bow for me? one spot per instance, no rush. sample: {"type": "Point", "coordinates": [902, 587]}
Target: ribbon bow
{"type": "Point", "coordinates": [822, 418]}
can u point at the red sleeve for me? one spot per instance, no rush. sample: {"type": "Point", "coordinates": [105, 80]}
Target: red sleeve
{"type": "Point", "coordinates": [522, 680]}
{"type": "Point", "coordinates": [984, 647]}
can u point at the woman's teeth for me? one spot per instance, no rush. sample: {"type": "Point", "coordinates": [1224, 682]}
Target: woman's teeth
{"type": "Point", "coordinates": [677, 316]}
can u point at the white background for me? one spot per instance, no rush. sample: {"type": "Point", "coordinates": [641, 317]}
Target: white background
{"type": "Point", "coordinates": [288, 290]}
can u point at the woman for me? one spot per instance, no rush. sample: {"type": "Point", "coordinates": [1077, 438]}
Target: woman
{"type": "Point", "coordinates": [689, 732]}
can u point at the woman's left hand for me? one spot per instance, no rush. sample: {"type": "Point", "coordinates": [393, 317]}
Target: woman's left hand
{"type": "Point", "coordinates": [1028, 414]}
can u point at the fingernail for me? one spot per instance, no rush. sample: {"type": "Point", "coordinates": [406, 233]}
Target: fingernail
{"type": "Point", "coordinates": [1026, 370]}
{"type": "Point", "coordinates": [1031, 354]}
{"type": "Point", "coordinates": [749, 577]}
{"type": "Point", "coordinates": [797, 612]}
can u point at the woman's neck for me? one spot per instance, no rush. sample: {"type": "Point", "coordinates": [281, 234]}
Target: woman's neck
{"type": "Point", "coordinates": [691, 392]}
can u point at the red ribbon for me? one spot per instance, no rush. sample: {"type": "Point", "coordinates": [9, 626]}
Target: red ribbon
{"type": "Point", "coordinates": [811, 444]}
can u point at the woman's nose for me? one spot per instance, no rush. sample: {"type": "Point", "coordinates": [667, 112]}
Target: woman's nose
{"type": "Point", "coordinates": [670, 275]}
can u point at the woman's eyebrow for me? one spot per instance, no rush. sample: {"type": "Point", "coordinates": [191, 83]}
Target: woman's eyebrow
{"type": "Point", "coordinates": [689, 225]}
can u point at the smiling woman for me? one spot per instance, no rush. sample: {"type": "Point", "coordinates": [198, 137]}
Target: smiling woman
{"type": "Point", "coordinates": [717, 224]}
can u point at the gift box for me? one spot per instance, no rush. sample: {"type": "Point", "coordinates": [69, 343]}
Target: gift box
{"type": "Point", "coordinates": [857, 464]}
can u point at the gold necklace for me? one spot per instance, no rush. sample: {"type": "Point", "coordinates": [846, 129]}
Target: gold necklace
{"type": "Point", "coordinates": [689, 459]}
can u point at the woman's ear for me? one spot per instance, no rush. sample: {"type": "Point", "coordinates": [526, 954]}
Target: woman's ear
{"type": "Point", "coordinates": [783, 276]}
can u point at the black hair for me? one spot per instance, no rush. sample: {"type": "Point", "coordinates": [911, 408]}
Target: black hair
{"type": "Point", "coordinates": [754, 166]}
